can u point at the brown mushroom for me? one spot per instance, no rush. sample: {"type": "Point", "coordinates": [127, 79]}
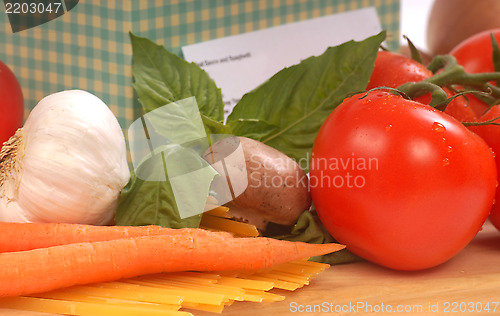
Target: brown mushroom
{"type": "Point", "coordinates": [265, 184]}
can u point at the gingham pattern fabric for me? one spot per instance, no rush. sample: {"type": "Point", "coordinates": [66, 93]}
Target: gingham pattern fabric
{"type": "Point", "coordinates": [89, 47]}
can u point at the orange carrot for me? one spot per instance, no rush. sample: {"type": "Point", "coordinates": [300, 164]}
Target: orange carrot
{"type": "Point", "coordinates": [27, 236]}
{"type": "Point", "coordinates": [40, 270]}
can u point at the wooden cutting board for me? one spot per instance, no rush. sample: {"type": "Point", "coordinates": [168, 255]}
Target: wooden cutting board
{"type": "Point", "coordinates": [468, 283]}
{"type": "Point", "coordinates": [464, 285]}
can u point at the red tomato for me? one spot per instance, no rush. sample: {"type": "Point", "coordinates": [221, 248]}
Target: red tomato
{"type": "Point", "coordinates": [475, 55]}
{"type": "Point", "coordinates": [491, 134]}
{"type": "Point", "coordinates": [11, 104]}
{"type": "Point", "coordinates": [400, 183]}
{"type": "Point", "coordinates": [393, 70]}
{"type": "Point", "coordinates": [495, 218]}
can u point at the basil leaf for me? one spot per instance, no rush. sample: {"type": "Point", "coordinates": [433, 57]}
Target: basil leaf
{"type": "Point", "coordinates": [169, 188]}
{"type": "Point", "coordinates": [162, 77]}
{"type": "Point", "coordinates": [215, 127]}
{"type": "Point", "coordinates": [253, 128]}
{"type": "Point", "coordinates": [179, 122]}
{"type": "Point", "coordinates": [174, 179]}
{"type": "Point", "coordinates": [150, 203]}
{"type": "Point", "coordinates": [292, 105]}
{"type": "Point", "coordinates": [309, 229]}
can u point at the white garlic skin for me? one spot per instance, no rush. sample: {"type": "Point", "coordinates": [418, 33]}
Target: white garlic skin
{"type": "Point", "coordinates": [72, 163]}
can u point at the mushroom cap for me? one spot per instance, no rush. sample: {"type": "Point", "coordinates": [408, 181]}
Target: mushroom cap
{"type": "Point", "coordinates": [267, 185]}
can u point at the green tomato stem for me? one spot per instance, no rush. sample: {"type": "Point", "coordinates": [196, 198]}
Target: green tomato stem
{"type": "Point", "coordinates": [488, 122]}
{"type": "Point", "coordinates": [417, 89]}
{"type": "Point", "coordinates": [454, 74]}
{"type": "Point", "coordinates": [448, 73]}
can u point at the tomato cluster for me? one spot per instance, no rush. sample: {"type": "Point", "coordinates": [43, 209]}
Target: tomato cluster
{"type": "Point", "coordinates": [475, 55]}
{"type": "Point", "coordinates": [424, 183]}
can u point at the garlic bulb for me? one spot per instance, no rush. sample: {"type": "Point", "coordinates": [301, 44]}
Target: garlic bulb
{"type": "Point", "coordinates": [67, 164]}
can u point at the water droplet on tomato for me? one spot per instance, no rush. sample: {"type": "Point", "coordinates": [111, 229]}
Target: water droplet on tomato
{"type": "Point", "coordinates": [388, 127]}
{"type": "Point", "coordinates": [449, 149]}
{"type": "Point", "coordinates": [446, 162]}
{"type": "Point", "coordinates": [438, 127]}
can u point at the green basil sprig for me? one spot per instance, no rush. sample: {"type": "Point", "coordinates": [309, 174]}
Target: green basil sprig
{"type": "Point", "coordinates": [284, 112]}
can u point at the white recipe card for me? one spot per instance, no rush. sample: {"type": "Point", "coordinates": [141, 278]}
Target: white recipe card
{"type": "Point", "coordinates": [240, 63]}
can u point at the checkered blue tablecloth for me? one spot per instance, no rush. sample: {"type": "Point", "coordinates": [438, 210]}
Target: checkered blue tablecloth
{"type": "Point", "coordinates": [88, 47]}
